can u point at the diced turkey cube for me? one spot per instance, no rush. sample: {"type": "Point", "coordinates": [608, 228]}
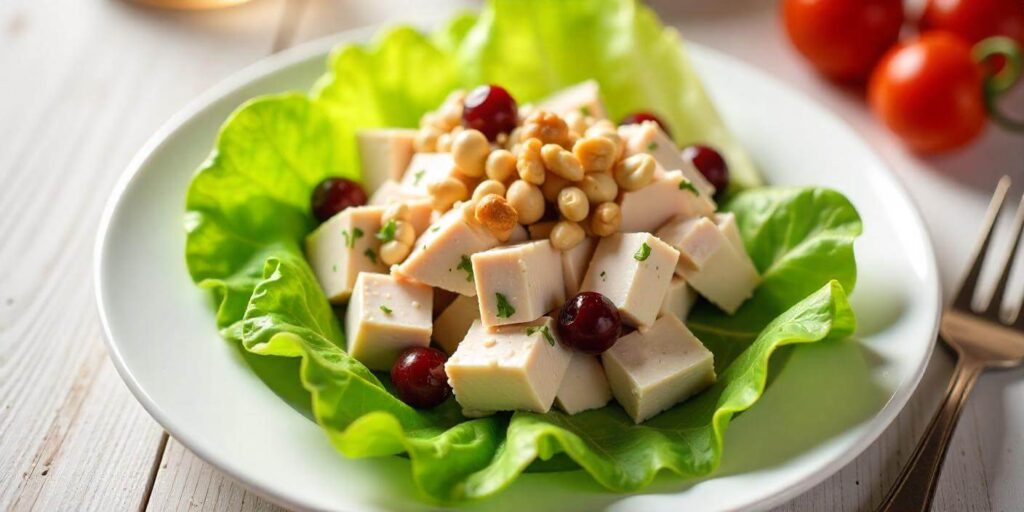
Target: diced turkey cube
{"type": "Point", "coordinates": [634, 271]}
{"type": "Point", "coordinates": [427, 168]}
{"type": "Point", "coordinates": [454, 322]}
{"type": "Point", "coordinates": [384, 153]}
{"type": "Point", "coordinates": [514, 367]}
{"type": "Point", "coordinates": [651, 371]}
{"type": "Point", "coordinates": [679, 300]}
{"type": "Point", "coordinates": [710, 261]}
{"type": "Point", "coordinates": [584, 386]}
{"type": "Point", "coordinates": [385, 316]}
{"type": "Point", "coordinates": [574, 264]}
{"type": "Point", "coordinates": [343, 247]}
{"type": "Point", "coordinates": [584, 97]}
{"type": "Point", "coordinates": [727, 225]}
{"type": "Point", "coordinates": [667, 197]}
{"type": "Point", "coordinates": [648, 137]}
{"type": "Point", "coordinates": [518, 283]}
{"type": "Point", "coordinates": [441, 256]}
{"type": "Point", "coordinates": [421, 212]}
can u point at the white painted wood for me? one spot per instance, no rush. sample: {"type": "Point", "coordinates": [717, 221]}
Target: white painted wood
{"type": "Point", "coordinates": [85, 83]}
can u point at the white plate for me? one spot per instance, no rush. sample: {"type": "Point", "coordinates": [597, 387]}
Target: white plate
{"type": "Point", "coordinates": [831, 401]}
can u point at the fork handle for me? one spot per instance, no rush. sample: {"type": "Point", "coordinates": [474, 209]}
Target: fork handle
{"type": "Point", "coordinates": [915, 487]}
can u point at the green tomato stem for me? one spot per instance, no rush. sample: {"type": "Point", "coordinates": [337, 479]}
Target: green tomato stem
{"type": "Point", "coordinates": [996, 84]}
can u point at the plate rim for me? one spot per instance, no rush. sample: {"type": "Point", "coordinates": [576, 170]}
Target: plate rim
{"type": "Point", "coordinates": [322, 46]}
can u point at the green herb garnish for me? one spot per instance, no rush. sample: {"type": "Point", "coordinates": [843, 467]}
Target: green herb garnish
{"type": "Point", "coordinates": [372, 256]}
{"type": "Point", "coordinates": [387, 232]}
{"type": "Point", "coordinates": [688, 185]}
{"type": "Point", "coordinates": [652, 146]}
{"type": "Point", "coordinates": [603, 273]}
{"type": "Point", "coordinates": [467, 265]}
{"type": "Point", "coordinates": [643, 252]}
{"type": "Point", "coordinates": [435, 229]}
{"type": "Point", "coordinates": [585, 110]}
{"type": "Point", "coordinates": [334, 268]}
{"type": "Point", "coordinates": [385, 309]}
{"type": "Point", "coordinates": [356, 235]}
{"type": "Point", "coordinates": [505, 310]}
{"type": "Point", "coordinates": [543, 329]}
{"type": "Point", "coordinates": [418, 175]}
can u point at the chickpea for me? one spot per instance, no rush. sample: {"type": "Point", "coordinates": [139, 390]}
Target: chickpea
{"type": "Point", "coordinates": [500, 165]}
{"type": "Point", "coordinates": [547, 127]}
{"type": "Point", "coordinates": [527, 199]}
{"type": "Point", "coordinates": [553, 184]}
{"type": "Point", "coordinates": [635, 172]}
{"type": "Point", "coordinates": [470, 150]}
{"type": "Point", "coordinates": [573, 204]}
{"type": "Point", "coordinates": [405, 233]}
{"type": "Point", "coordinates": [489, 187]}
{"type": "Point", "coordinates": [394, 252]}
{"type": "Point", "coordinates": [561, 162]}
{"type": "Point", "coordinates": [605, 128]}
{"type": "Point", "coordinates": [577, 122]}
{"type": "Point", "coordinates": [395, 211]}
{"type": "Point", "coordinates": [530, 163]}
{"type": "Point", "coordinates": [445, 193]}
{"type": "Point", "coordinates": [444, 143]}
{"type": "Point", "coordinates": [606, 220]}
{"type": "Point", "coordinates": [566, 235]}
{"type": "Point", "coordinates": [495, 213]}
{"type": "Point", "coordinates": [426, 139]}
{"type": "Point", "coordinates": [596, 154]}
{"type": "Point", "coordinates": [599, 187]}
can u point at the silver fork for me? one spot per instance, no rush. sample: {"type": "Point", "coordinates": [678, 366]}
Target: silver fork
{"type": "Point", "coordinates": [981, 339]}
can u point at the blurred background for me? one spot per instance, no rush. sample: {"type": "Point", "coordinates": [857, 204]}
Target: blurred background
{"type": "Point", "coordinates": [83, 85]}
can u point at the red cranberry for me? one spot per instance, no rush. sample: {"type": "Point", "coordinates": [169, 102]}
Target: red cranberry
{"type": "Point", "coordinates": [333, 195]}
{"type": "Point", "coordinates": [589, 322]}
{"type": "Point", "coordinates": [491, 110]}
{"type": "Point", "coordinates": [710, 163]}
{"type": "Point", "coordinates": [639, 117]}
{"type": "Point", "coordinates": [419, 377]}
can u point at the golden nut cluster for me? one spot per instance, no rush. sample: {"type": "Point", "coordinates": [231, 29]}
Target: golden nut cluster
{"type": "Point", "coordinates": [394, 251]}
{"type": "Point", "coordinates": [568, 169]}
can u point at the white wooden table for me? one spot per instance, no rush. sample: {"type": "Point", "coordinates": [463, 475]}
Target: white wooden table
{"type": "Point", "coordinates": [83, 83]}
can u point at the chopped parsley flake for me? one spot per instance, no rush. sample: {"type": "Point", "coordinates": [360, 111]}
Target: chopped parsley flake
{"type": "Point", "coordinates": [585, 110]}
{"type": "Point", "coordinates": [356, 235]}
{"type": "Point", "coordinates": [505, 310]}
{"type": "Point", "coordinates": [435, 229]}
{"type": "Point", "coordinates": [643, 252]}
{"type": "Point", "coordinates": [688, 185]}
{"type": "Point", "coordinates": [603, 274]}
{"type": "Point", "coordinates": [370, 255]}
{"type": "Point", "coordinates": [543, 329]}
{"type": "Point", "coordinates": [387, 233]}
{"type": "Point", "coordinates": [334, 268]}
{"type": "Point", "coordinates": [385, 309]}
{"type": "Point", "coordinates": [465, 264]}
{"type": "Point", "coordinates": [652, 146]}
{"type": "Point", "coordinates": [418, 175]}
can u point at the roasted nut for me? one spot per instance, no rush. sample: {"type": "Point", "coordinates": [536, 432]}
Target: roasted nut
{"type": "Point", "coordinates": [561, 162]}
{"type": "Point", "coordinates": [395, 211]}
{"type": "Point", "coordinates": [573, 204]}
{"type": "Point", "coordinates": [527, 199]}
{"type": "Point", "coordinates": [547, 127]}
{"type": "Point", "coordinates": [468, 209]}
{"type": "Point", "coordinates": [606, 219]}
{"type": "Point", "coordinates": [488, 187]}
{"type": "Point", "coordinates": [595, 154]}
{"type": "Point", "coordinates": [444, 193]}
{"type": "Point", "coordinates": [444, 143]}
{"type": "Point", "coordinates": [394, 252]}
{"type": "Point", "coordinates": [599, 187]}
{"type": "Point", "coordinates": [496, 214]}
{"type": "Point", "coordinates": [635, 172]}
{"type": "Point", "coordinates": [470, 150]}
{"type": "Point", "coordinates": [566, 235]}
{"type": "Point", "coordinates": [529, 162]}
{"type": "Point", "coordinates": [577, 122]}
{"type": "Point", "coordinates": [553, 184]}
{"type": "Point", "coordinates": [500, 165]}
{"type": "Point", "coordinates": [605, 128]}
{"type": "Point", "coordinates": [426, 139]}
{"type": "Point", "coordinates": [405, 233]}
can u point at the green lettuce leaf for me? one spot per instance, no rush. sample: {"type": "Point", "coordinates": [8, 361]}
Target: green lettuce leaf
{"type": "Point", "coordinates": [247, 212]}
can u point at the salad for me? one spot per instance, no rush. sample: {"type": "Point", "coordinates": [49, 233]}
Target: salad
{"type": "Point", "coordinates": [572, 266]}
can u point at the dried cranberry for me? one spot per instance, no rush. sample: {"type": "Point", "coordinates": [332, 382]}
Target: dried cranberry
{"type": "Point", "coordinates": [589, 322]}
{"type": "Point", "coordinates": [490, 110]}
{"type": "Point", "coordinates": [710, 163]}
{"type": "Point", "coordinates": [419, 377]}
{"type": "Point", "coordinates": [333, 195]}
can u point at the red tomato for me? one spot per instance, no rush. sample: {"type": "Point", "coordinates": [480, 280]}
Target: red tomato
{"type": "Point", "coordinates": [976, 19]}
{"type": "Point", "coordinates": [928, 91]}
{"type": "Point", "coordinates": [843, 39]}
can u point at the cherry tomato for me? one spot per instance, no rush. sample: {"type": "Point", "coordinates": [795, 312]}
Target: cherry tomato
{"type": "Point", "coordinates": [975, 20]}
{"type": "Point", "coordinates": [843, 39]}
{"type": "Point", "coordinates": [928, 91]}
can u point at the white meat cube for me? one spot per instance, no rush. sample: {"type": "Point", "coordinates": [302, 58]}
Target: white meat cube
{"type": "Point", "coordinates": [428, 168]}
{"type": "Point", "coordinates": [452, 325]}
{"type": "Point", "coordinates": [518, 283]}
{"type": "Point", "coordinates": [342, 247]}
{"type": "Point", "coordinates": [651, 371]}
{"type": "Point", "coordinates": [648, 137]}
{"type": "Point", "coordinates": [634, 271]}
{"type": "Point", "coordinates": [421, 212]}
{"type": "Point", "coordinates": [385, 316]}
{"type": "Point", "coordinates": [441, 256]}
{"type": "Point", "coordinates": [384, 154]}
{"type": "Point", "coordinates": [584, 386]}
{"type": "Point", "coordinates": [574, 264]}
{"type": "Point", "coordinates": [667, 197]}
{"type": "Point", "coordinates": [584, 97]}
{"type": "Point", "coordinates": [679, 300]}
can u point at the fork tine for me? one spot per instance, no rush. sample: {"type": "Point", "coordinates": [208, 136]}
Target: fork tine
{"type": "Point", "coordinates": [965, 296]}
{"type": "Point", "coordinates": [995, 304]}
